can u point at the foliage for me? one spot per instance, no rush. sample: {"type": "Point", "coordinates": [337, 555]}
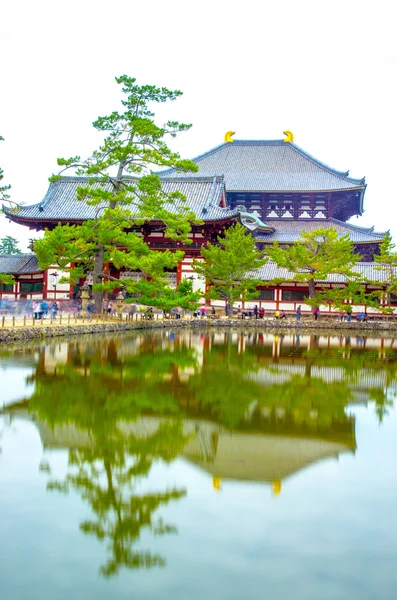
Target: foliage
{"type": "Point", "coordinates": [229, 265]}
{"type": "Point", "coordinates": [313, 257]}
{"type": "Point", "coordinates": [125, 195]}
{"type": "Point", "coordinates": [3, 188]}
{"type": "Point", "coordinates": [101, 395]}
{"type": "Point", "coordinates": [6, 279]}
{"type": "Point", "coordinates": [4, 196]}
{"type": "Point", "coordinates": [387, 259]}
{"type": "Point", "coordinates": [353, 291]}
{"type": "Point", "coordinates": [167, 298]}
{"type": "Point", "coordinates": [9, 245]}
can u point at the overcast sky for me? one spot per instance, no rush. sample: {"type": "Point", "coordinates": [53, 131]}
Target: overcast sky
{"type": "Point", "coordinates": [325, 70]}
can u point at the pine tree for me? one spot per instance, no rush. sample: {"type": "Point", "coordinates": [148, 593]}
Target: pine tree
{"type": "Point", "coordinates": [3, 188]}
{"type": "Point", "coordinates": [316, 255]}
{"type": "Point", "coordinates": [229, 266]}
{"type": "Point", "coordinates": [4, 279]}
{"type": "Point", "coordinates": [9, 245]}
{"type": "Point", "coordinates": [126, 194]}
{"type": "Point", "coordinates": [387, 259]}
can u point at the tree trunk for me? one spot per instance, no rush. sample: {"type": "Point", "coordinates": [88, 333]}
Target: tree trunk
{"type": "Point", "coordinates": [312, 288]}
{"type": "Point", "coordinates": [97, 276]}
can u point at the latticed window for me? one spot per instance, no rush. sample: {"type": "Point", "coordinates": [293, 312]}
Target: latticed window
{"type": "Point", "coordinates": [265, 295]}
{"type": "Point", "coordinates": [135, 275]}
{"type": "Point", "coordinates": [172, 279]}
{"type": "Point", "coordinates": [294, 295]}
{"type": "Point", "coordinates": [30, 287]}
{"type": "Point", "coordinates": [6, 287]}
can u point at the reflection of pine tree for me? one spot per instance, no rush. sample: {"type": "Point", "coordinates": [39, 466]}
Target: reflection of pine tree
{"type": "Point", "coordinates": [100, 393]}
{"type": "Point", "coordinates": [106, 476]}
{"type": "Point", "coordinates": [382, 403]}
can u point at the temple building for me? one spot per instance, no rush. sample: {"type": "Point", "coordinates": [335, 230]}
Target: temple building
{"type": "Point", "coordinates": [27, 275]}
{"type": "Point", "coordinates": [273, 187]}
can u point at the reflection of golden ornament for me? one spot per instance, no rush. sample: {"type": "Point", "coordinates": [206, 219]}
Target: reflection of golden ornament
{"type": "Point", "coordinates": [228, 136]}
{"type": "Point", "coordinates": [289, 134]}
{"type": "Point", "coordinates": [276, 484]}
{"type": "Point", "coordinates": [217, 483]}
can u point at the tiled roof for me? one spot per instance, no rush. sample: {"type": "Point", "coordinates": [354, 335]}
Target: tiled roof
{"type": "Point", "coordinates": [17, 264]}
{"type": "Point", "coordinates": [270, 166]}
{"type": "Point", "coordinates": [367, 270]}
{"type": "Point", "coordinates": [203, 196]}
{"type": "Point", "coordinates": [289, 231]}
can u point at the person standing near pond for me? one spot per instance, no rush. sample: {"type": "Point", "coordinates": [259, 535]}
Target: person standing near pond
{"type": "Point", "coordinates": [202, 311]}
{"type": "Point", "coordinates": [298, 313]}
{"type": "Point", "coordinates": [256, 311]}
{"type": "Point", "coordinates": [316, 312]}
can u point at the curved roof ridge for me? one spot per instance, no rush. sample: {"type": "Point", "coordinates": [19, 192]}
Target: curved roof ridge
{"type": "Point", "coordinates": [22, 255]}
{"type": "Point", "coordinates": [341, 174]}
{"type": "Point", "coordinates": [322, 165]}
{"type": "Point", "coordinates": [369, 230]}
{"type": "Point", "coordinates": [199, 157]}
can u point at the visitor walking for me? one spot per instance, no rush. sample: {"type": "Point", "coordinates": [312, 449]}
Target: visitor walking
{"type": "Point", "coordinates": [256, 311]}
{"type": "Point", "coordinates": [316, 311]}
{"type": "Point", "coordinates": [202, 312]}
{"type": "Point", "coordinates": [298, 312]}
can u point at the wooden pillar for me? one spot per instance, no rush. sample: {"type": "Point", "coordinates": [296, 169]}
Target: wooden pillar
{"type": "Point", "coordinates": [312, 204]}
{"type": "Point", "coordinates": [329, 205]}
{"type": "Point", "coordinates": [278, 297]}
{"type": "Point", "coordinates": [106, 270]}
{"type": "Point", "coordinates": [71, 286]}
{"type": "Point", "coordinates": [45, 284]}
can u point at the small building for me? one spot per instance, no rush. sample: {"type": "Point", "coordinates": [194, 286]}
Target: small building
{"type": "Point", "coordinates": [30, 282]}
{"type": "Point", "coordinates": [28, 277]}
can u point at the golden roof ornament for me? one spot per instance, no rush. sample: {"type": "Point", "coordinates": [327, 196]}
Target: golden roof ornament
{"type": "Point", "coordinates": [228, 136]}
{"type": "Point", "coordinates": [276, 484]}
{"type": "Point", "coordinates": [289, 134]}
{"type": "Point", "coordinates": [217, 481]}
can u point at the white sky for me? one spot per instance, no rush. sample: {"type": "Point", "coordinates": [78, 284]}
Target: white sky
{"type": "Point", "coordinates": [325, 70]}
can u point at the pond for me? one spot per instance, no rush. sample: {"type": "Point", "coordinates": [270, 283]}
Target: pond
{"type": "Point", "coordinates": [196, 464]}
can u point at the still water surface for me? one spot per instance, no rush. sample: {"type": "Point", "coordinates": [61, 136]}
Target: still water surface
{"type": "Point", "coordinates": [187, 465]}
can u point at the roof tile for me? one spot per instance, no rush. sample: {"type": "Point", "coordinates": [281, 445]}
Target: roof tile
{"type": "Point", "coordinates": [17, 264]}
{"type": "Point", "coordinates": [270, 166]}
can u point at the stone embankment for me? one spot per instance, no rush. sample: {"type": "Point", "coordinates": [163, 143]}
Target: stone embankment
{"type": "Point", "coordinates": [10, 334]}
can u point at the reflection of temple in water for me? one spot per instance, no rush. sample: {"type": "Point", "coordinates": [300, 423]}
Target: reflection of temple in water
{"type": "Point", "coordinates": [270, 439]}
{"type": "Point", "coordinates": [235, 455]}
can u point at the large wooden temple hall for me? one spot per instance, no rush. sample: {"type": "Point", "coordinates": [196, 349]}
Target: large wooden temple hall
{"type": "Point", "coordinates": [276, 189]}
